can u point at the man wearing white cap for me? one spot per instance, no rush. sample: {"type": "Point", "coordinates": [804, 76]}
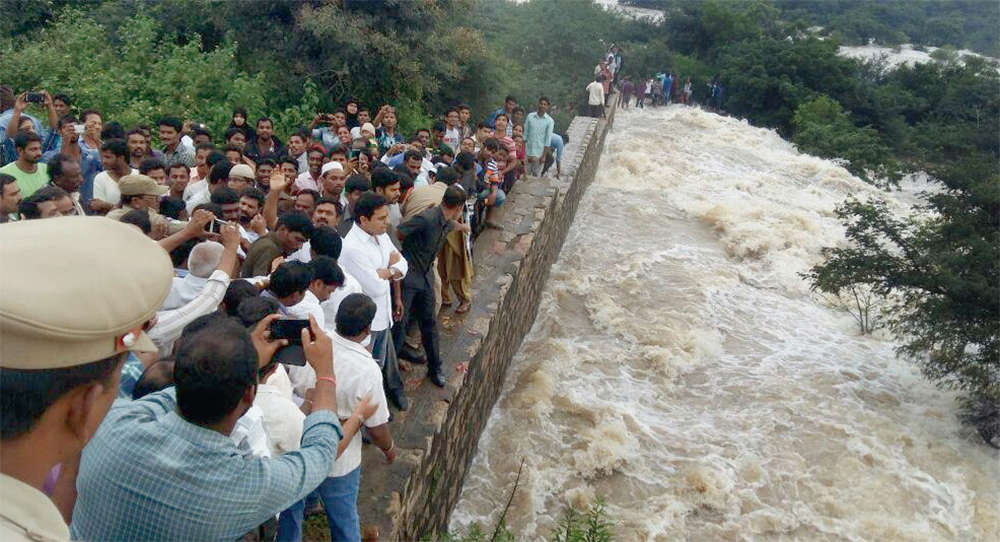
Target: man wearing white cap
{"type": "Point", "coordinates": [59, 362]}
{"type": "Point", "coordinates": [241, 177]}
{"type": "Point", "coordinates": [332, 178]}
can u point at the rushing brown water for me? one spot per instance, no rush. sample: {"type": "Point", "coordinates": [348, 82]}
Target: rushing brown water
{"type": "Point", "coordinates": [681, 369]}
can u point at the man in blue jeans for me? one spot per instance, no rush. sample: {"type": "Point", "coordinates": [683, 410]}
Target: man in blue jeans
{"type": "Point", "coordinates": [357, 376]}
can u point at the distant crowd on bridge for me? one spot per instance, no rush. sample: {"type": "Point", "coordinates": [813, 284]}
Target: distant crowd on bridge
{"type": "Point", "coordinates": [661, 89]}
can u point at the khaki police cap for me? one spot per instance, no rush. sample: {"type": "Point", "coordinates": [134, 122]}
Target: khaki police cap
{"type": "Point", "coordinates": [74, 290]}
{"type": "Point", "coordinates": [241, 170]}
{"type": "Point", "coordinates": [138, 185]}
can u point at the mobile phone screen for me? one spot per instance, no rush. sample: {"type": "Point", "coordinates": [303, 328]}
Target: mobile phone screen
{"type": "Point", "coordinates": [288, 329]}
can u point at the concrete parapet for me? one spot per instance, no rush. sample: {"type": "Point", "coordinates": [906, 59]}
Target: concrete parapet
{"type": "Point", "coordinates": [437, 437]}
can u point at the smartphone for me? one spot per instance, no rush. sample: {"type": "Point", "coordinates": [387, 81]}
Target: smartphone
{"type": "Point", "coordinates": [34, 97]}
{"type": "Point", "coordinates": [215, 226]}
{"type": "Point", "coordinates": [78, 128]}
{"type": "Point", "coordinates": [288, 329]}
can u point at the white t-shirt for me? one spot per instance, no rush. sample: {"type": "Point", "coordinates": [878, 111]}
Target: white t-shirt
{"type": "Point", "coordinates": [596, 91]}
{"type": "Point", "coordinates": [248, 434]}
{"type": "Point", "coordinates": [332, 304]}
{"type": "Point", "coordinates": [303, 254]}
{"type": "Point", "coordinates": [280, 381]}
{"type": "Point", "coordinates": [308, 305]}
{"type": "Point", "coordinates": [106, 188]}
{"type": "Point", "coordinates": [452, 138]}
{"type": "Point", "coordinates": [362, 257]}
{"type": "Point", "coordinates": [282, 419]}
{"type": "Point", "coordinates": [183, 290]}
{"type": "Point", "coordinates": [357, 375]}
{"type": "Point", "coordinates": [194, 188]}
{"type": "Point", "coordinates": [200, 197]}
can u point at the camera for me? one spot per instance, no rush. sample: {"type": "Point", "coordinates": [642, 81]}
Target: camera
{"type": "Point", "coordinates": [34, 97]}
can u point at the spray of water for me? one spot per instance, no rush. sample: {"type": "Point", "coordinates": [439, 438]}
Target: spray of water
{"type": "Point", "coordinates": [680, 368]}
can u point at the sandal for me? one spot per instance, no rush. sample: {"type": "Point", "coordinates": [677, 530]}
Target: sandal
{"type": "Point", "coordinates": [463, 307]}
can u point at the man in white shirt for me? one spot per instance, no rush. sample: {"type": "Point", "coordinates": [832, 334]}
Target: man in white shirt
{"type": "Point", "coordinates": [596, 96]}
{"type": "Point", "coordinates": [453, 129]}
{"type": "Point", "coordinates": [217, 177]}
{"type": "Point", "coordinates": [370, 257]}
{"type": "Point", "coordinates": [326, 278]}
{"type": "Point", "coordinates": [202, 261]}
{"type": "Point", "coordinates": [114, 159]}
{"type": "Point", "coordinates": [288, 285]}
{"type": "Point", "coordinates": [357, 377]}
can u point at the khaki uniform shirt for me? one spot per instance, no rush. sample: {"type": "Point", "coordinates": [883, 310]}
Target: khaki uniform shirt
{"type": "Point", "coordinates": [173, 226]}
{"type": "Point", "coordinates": [423, 198]}
{"type": "Point", "coordinates": [27, 514]}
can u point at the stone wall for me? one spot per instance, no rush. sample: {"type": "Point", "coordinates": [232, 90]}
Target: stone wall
{"type": "Point", "coordinates": [439, 434]}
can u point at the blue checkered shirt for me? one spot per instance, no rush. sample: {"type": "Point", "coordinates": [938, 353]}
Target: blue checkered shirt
{"type": "Point", "coordinates": [150, 475]}
{"type": "Point", "coordinates": [132, 371]}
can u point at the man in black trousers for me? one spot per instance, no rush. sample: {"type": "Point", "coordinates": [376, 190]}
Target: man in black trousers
{"type": "Point", "coordinates": [422, 237]}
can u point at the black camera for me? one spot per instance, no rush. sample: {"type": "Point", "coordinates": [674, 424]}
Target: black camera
{"type": "Point", "coordinates": [34, 97]}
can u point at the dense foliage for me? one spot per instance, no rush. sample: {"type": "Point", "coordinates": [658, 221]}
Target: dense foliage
{"type": "Point", "coordinates": [969, 24]}
{"type": "Point", "coordinates": [293, 58]}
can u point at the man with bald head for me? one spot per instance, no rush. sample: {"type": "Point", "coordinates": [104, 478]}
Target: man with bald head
{"type": "Point", "coordinates": [202, 262]}
{"type": "Point", "coordinates": [59, 361]}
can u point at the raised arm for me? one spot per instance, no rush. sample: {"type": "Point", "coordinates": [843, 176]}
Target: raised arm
{"type": "Point", "coordinates": [194, 228]}
{"type": "Point", "coordinates": [278, 184]}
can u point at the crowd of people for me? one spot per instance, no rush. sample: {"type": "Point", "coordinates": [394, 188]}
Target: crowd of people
{"type": "Point", "coordinates": [255, 295]}
{"type": "Point", "coordinates": [668, 88]}
{"type": "Point", "coordinates": [662, 89]}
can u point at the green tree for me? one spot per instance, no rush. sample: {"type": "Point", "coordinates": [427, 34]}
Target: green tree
{"type": "Point", "coordinates": [145, 76]}
{"type": "Point", "coordinates": [767, 79]}
{"type": "Point", "coordinates": [822, 127]}
{"type": "Point", "coordinates": [938, 270]}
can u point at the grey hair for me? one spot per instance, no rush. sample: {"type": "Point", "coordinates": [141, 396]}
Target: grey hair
{"type": "Point", "coordinates": [204, 258]}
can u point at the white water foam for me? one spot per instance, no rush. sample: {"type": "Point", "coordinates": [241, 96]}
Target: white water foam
{"type": "Point", "coordinates": [680, 369]}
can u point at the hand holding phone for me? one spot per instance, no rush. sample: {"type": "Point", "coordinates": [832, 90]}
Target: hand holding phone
{"type": "Point", "coordinates": [288, 329]}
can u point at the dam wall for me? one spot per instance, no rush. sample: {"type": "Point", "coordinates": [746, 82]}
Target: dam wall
{"type": "Point", "coordinates": [437, 437]}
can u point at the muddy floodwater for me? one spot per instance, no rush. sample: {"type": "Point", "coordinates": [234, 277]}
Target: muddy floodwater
{"type": "Point", "coordinates": [680, 368]}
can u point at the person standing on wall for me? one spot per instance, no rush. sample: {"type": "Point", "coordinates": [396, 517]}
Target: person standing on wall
{"type": "Point", "coordinates": [537, 136]}
{"type": "Point", "coordinates": [596, 96]}
{"type": "Point", "coordinates": [422, 237]}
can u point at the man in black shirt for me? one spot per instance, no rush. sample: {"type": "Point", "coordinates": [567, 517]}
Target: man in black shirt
{"type": "Point", "coordinates": [422, 237]}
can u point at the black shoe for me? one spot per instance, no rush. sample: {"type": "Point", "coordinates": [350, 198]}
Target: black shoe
{"type": "Point", "coordinates": [398, 398]}
{"type": "Point", "coordinates": [412, 354]}
{"type": "Point", "coordinates": [438, 378]}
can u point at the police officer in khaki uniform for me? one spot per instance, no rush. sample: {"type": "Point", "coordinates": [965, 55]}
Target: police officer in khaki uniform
{"type": "Point", "coordinates": [75, 295]}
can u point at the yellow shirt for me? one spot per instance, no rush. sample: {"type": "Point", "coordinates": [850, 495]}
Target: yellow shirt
{"type": "Point", "coordinates": [27, 514]}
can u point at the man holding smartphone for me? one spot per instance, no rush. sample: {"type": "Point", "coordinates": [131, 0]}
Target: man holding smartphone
{"type": "Point", "coordinates": [176, 440]}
